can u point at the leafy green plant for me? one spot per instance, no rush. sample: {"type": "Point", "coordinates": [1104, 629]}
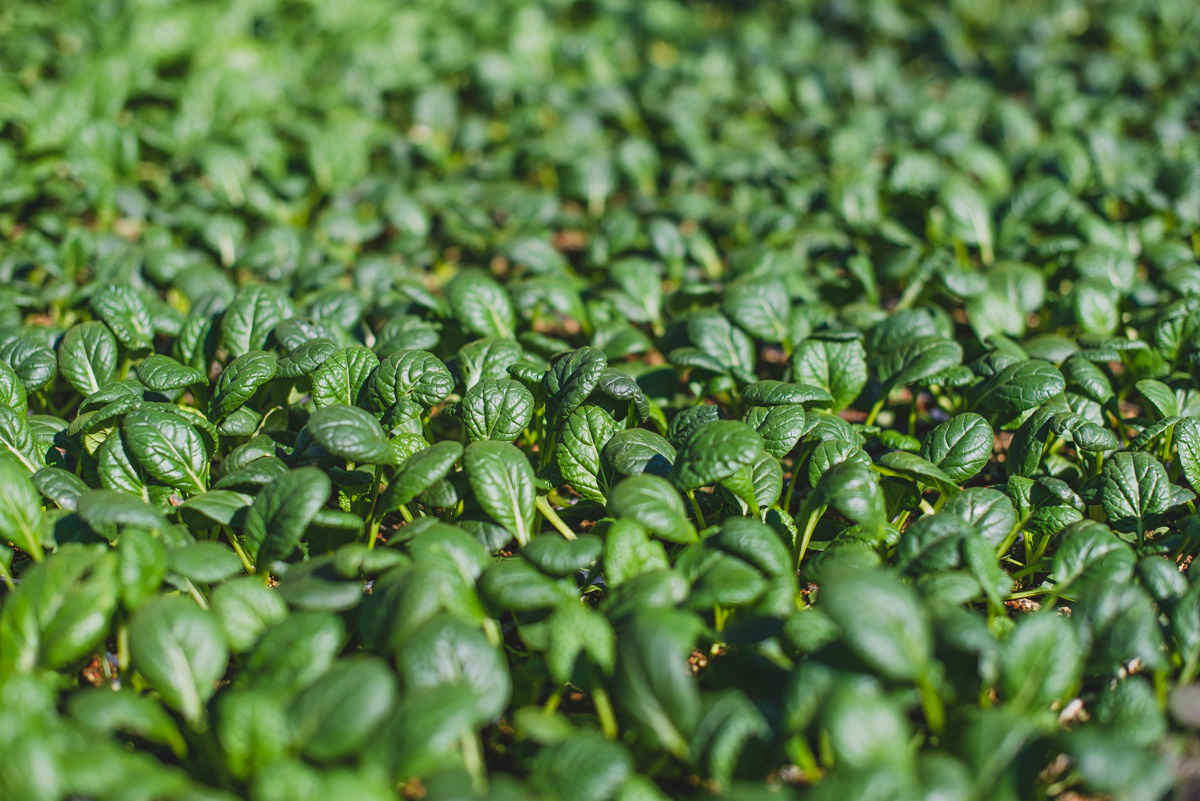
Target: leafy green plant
{"type": "Point", "coordinates": [604, 401]}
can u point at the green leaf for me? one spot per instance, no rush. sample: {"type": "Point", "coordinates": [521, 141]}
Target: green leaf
{"type": "Point", "coordinates": [306, 358]}
{"type": "Point", "coordinates": [87, 357]}
{"type": "Point", "coordinates": [33, 362]}
{"type": "Point", "coordinates": [760, 305]}
{"type": "Point", "coordinates": [238, 382]}
{"type": "Point", "coordinates": [106, 712]}
{"type": "Point", "coordinates": [881, 621]}
{"type": "Point", "coordinates": [344, 377]}
{"type": "Point", "coordinates": [629, 552]}
{"type": "Point", "coordinates": [351, 433]}
{"type": "Point", "coordinates": [126, 315]}
{"type": "Point", "coordinates": [830, 452]}
{"type": "Point", "coordinates": [496, 409]}
{"type": "Point", "coordinates": [420, 471]}
{"type": "Point", "coordinates": [448, 650]}
{"type": "Point", "coordinates": [559, 557]}
{"type": "Point", "coordinates": [487, 360]}
{"type": "Point", "coordinates": [1187, 440]}
{"type": "Point", "coordinates": [1161, 398]}
{"type": "Point", "coordinates": [253, 731]}
{"type": "Point", "coordinates": [246, 608]}
{"type": "Point", "coordinates": [205, 561]}
{"type": "Point", "coordinates": [251, 317]}
{"type": "Point", "coordinates": [293, 652]}
{"type": "Point", "coordinates": [514, 585]}
{"type": "Point", "coordinates": [335, 717]}
{"type": "Point", "coordinates": [59, 486]}
{"type": "Point", "coordinates": [652, 682]}
{"type": "Point", "coordinates": [12, 390]}
{"type": "Point", "coordinates": [720, 346]}
{"type": "Point", "coordinates": [168, 448]}
{"type": "Point", "coordinates": [635, 451]}
{"type": "Point", "coordinates": [1134, 490]}
{"type": "Point", "coordinates": [502, 482]}
{"type": "Point", "coordinates": [60, 612]}
{"type": "Point", "coordinates": [915, 360]}
{"type": "Point", "coordinates": [20, 509]}
{"type": "Point", "coordinates": [141, 566]}
{"type": "Point", "coordinates": [411, 374]}
{"type": "Point", "coordinates": [988, 511]}
{"type": "Point", "coordinates": [780, 393]}
{"type": "Point", "coordinates": [755, 543]}
{"type": "Point", "coordinates": [1088, 548]}
{"type": "Point", "coordinates": [162, 374]}
{"type": "Point", "coordinates": [570, 380]}
{"type": "Point", "coordinates": [865, 727]}
{"type": "Point", "coordinates": [780, 426]}
{"type": "Point", "coordinates": [840, 368]}
{"type": "Point", "coordinates": [180, 650]}
{"type": "Point", "coordinates": [1042, 661]}
{"type": "Point", "coordinates": [481, 304]}
{"type": "Point", "coordinates": [919, 469]}
{"type": "Point", "coordinates": [16, 440]}
{"type": "Point", "coordinates": [960, 447]}
{"type": "Point", "coordinates": [582, 439]}
{"type": "Point", "coordinates": [585, 767]}
{"type": "Point", "coordinates": [655, 504]}
{"type": "Point", "coordinates": [713, 452]}
{"type": "Point", "coordinates": [282, 511]}
{"type": "Point", "coordinates": [1017, 387]}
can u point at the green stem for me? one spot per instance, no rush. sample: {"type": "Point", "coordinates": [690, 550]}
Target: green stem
{"type": "Point", "coordinates": [1011, 538]}
{"type": "Point", "coordinates": [492, 630]}
{"type": "Point", "coordinates": [543, 505]}
{"type": "Point", "coordinates": [237, 547]}
{"type": "Point", "coordinates": [871, 415]}
{"type": "Point", "coordinates": [372, 523]}
{"type": "Point", "coordinates": [604, 711]}
{"type": "Point", "coordinates": [800, 752]}
{"type": "Point", "coordinates": [720, 615]}
{"type": "Point", "coordinates": [691, 494]}
{"type": "Point", "coordinates": [406, 513]}
{"type": "Point", "coordinates": [195, 593]}
{"type": "Point", "coordinates": [472, 750]}
{"type": "Point", "coordinates": [1189, 667]}
{"type": "Point", "coordinates": [787, 500]}
{"type": "Point", "coordinates": [551, 705]}
{"type": "Point", "coordinates": [7, 577]}
{"type": "Point", "coordinates": [1026, 571]}
{"type": "Point", "coordinates": [123, 645]}
{"type": "Point", "coordinates": [810, 526]}
{"type": "Point", "coordinates": [931, 703]}
{"type": "Point", "coordinates": [1016, 596]}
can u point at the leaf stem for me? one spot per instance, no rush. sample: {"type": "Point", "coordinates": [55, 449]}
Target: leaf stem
{"type": "Point", "coordinates": [931, 703]}
{"type": "Point", "coordinates": [543, 505]}
{"type": "Point", "coordinates": [237, 547]}
{"type": "Point", "coordinates": [810, 526]}
{"type": "Point", "coordinates": [372, 523]}
{"type": "Point", "coordinates": [472, 750]}
{"type": "Point", "coordinates": [7, 577]}
{"type": "Point", "coordinates": [700, 522]}
{"type": "Point", "coordinates": [871, 415]}
{"type": "Point", "coordinates": [196, 596]}
{"type": "Point", "coordinates": [604, 711]}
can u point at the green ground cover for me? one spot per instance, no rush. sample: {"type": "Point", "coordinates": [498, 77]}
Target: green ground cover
{"type": "Point", "coordinates": [599, 401]}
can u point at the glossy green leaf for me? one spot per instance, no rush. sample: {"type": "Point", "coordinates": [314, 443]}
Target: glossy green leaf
{"type": "Point", "coordinates": [502, 482]}
{"type": "Point", "coordinates": [180, 650]}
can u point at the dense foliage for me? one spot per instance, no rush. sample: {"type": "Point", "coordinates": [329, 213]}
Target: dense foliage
{"type": "Point", "coordinates": [613, 399]}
